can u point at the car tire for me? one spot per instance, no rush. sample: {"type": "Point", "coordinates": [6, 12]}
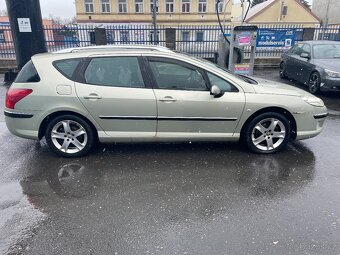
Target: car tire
{"type": "Point", "coordinates": [267, 133]}
{"type": "Point", "coordinates": [283, 71]}
{"type": "Point", "coordinates": [69, 136]}
{"type": "Point", "coordinates": [314, 82]}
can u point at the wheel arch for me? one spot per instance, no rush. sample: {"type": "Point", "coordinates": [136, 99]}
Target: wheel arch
{"type": "Point", "coordinates": [279, 110]}
{"type": "Point", "coordinates": [51, 116]}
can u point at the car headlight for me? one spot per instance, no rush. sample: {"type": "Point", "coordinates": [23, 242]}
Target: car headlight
{"type": "Point", "coordinates": [314, 101]}
{"type": "Point", "coordinates": [332, 74]}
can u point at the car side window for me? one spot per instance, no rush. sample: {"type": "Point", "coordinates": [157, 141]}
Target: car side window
{"type": "Point", "coordinates": [297, 49]}
{"type": "Point", "coordinates": [115, 72]}
{"type": "Point", "coordinates": [67, 66]}
{"type": "Point", "coordinates": [306, 49]}
{"type": "Point", "coordinates": [224, 85]}
{"type": "Point", "coordinates": [177, 77]}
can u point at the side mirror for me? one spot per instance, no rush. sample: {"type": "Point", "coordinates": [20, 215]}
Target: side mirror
{"type": "Point", "coordinates": [305, 55]}
{"type": "Point", "coordinates": [216, 91]}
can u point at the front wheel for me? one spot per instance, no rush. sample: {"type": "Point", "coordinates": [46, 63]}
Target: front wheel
{"type": "Point", "coordinates": [314, 83]}
{"type": "Point", "coordinates": [69, 136]}
{"type": "Point", "coordinates": [268, 133]}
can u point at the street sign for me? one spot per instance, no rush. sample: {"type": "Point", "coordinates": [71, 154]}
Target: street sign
{"type": "Point", "coordinates": [24, 25]}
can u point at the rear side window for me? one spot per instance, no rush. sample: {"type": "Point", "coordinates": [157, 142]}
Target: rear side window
{"type": "Point", "coordinates": [67, 66]}
{"type": "Point", "coordinates": [28, 74]}
{"type": "Point", "coordinates": [115, 72]}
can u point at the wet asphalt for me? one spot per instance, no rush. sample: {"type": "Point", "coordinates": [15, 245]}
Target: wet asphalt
{"type": "Point", "coordinates": [213, 198]}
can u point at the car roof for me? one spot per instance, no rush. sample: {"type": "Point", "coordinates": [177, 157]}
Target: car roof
{"type": "Point", "coordinates": [113, 48]}
{"type": "Point", "coordinates": [318, 42]}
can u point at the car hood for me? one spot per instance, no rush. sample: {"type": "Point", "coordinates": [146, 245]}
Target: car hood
{"type": "Point", "coordinates": [330, 64]}
{"type": "Point", "coordinates": [277, 88]}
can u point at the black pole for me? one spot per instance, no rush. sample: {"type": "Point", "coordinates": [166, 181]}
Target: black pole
{"type": "Point", "coordinates": [27, 29]}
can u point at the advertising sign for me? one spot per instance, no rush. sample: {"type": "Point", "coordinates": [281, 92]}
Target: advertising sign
{"type": "Point", "coordinates": [244, 39]}
{"type": "Point", "coordinates": [277, 39]}
{"type": "Point", "coordinates": [243, 69]}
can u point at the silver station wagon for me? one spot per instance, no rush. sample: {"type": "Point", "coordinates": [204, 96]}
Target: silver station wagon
{"type": "Point", "coordinates": [80, 96]}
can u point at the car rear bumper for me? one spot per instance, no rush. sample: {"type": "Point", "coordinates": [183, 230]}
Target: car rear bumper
{"type": "Point", "coordinates": [22, 124]}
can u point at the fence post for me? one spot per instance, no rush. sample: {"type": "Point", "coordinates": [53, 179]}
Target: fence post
{"type": "Point", "coordinates": [100, 36]}
{"type": "Point", "coordinates": [170, 38]}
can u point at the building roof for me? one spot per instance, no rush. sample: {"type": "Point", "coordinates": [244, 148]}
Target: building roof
{"type": "Point", "coordinates": [254, 11]}
{"type": "Point", "coordinates": [262, 7]}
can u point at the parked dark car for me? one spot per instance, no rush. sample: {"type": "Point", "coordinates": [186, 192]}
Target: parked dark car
{"type": "Point", "coordinates": [313, 63]}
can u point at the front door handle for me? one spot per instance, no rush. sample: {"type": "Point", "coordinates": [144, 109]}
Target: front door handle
{"type": "Point", "coordinates": [93, 96]}
{"type": "Point", "coordinates": [168, 99]}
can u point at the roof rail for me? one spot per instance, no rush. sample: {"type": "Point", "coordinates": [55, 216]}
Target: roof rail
{"type": "Point", "coordinates": [114, 47]}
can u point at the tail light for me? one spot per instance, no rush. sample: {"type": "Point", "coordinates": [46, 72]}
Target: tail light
{"type": "Point", "coordinates": [13, 96]}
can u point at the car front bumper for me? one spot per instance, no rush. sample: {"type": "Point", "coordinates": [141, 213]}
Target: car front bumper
{"type": "Point", "coordinates": [310, 124]}
{"type": "Point", "coordinates": [330, 84]}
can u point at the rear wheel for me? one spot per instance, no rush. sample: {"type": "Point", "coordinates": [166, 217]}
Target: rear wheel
{"type": "Point", "coordinates": [283, 71]}
{"type": "Point", "coordinates": [314, 83]}
{"type": "Point", "coordinates": [69, 136]}
{"type": "Point", "coordinates": [268, 133]}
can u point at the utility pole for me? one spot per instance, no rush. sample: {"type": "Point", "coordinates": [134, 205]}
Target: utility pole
{"type": "Point", "coordinates": [326, 20]}
{"type": "Point", "coordinates": [154, 21]}
{"type": "Point", "coordinates": [27, 29]}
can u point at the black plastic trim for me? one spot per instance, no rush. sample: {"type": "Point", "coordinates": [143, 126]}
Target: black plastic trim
{"type": "Point", "coordinates": [320, 116]}
{"type": "Point", "coordinates": [166, 118]}
{"type": "Point", "coordinates": [18, 115]}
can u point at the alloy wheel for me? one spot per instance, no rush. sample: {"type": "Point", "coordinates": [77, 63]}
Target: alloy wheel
{"type": "Point", "coordinates": [268, 134]}
{"type": "Point", "coordinates": [314, 83]}
{"type": "Point", "coordinates": [69, 136]}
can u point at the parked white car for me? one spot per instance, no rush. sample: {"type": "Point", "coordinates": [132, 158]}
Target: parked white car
{"type": "Point", "coordinates": [150, 94]}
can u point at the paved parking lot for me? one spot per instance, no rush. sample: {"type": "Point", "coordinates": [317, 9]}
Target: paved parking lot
{"type": "Point", "coordinates": [214, 198]}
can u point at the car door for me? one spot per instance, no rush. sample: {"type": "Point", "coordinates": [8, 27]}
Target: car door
{"type": "Point", "coordinates": [118, 97]}
{"type": "Point", "coordinates": [304, 64]}
{"type": "Point", "coordinates": [291, 69]}
{"type": "Point", "coordinates": [186, 110]}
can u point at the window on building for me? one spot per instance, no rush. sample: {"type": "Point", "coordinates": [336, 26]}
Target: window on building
{"type": "Point", "coordinates": [200, 36]}
{"type": "Point", "coordinates": [185, 36]}
{"type": "Point", "coordinates": [88, 6]}
{"type": "Point", "coordinates": [219, 7]}
{"type": "Point", "coordinates": [139, 6]}
{"type": "Point", "coordinates": [169, 6]}
{"type": "Point", "coordinates": [185, 6]}
{"type": "Point", "coordinates": [122, 6]}
{"type": "Point", "coordinates": [2, 36]}
{"type": "Point", "coordinates": [106, 8]}
{"type": "Point", "coordinates": [284, 10]}
{"type": "Point", "coordinates": [151, 7]}
{"type": "Point", "coordinates": [202, 6]}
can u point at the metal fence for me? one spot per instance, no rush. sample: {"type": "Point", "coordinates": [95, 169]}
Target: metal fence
{"type": "Point", "coordinates": [199, 40]}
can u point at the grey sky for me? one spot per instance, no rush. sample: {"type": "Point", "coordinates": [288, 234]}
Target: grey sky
{"type": "Point", "coordinates": [58, 8]}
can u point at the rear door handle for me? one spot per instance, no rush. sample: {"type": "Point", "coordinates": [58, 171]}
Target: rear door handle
{"type": "Point", "coordinates": [93, 96]}
{"type": "Point", "coordinates": [168, 99]}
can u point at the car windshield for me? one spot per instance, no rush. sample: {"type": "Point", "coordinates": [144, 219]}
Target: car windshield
{"type": "Point", "coordinates": [241, 77]}
{"type": "Point", "coordinates": [326, 51]}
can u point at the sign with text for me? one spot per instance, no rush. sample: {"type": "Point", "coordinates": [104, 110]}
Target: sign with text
{"type": "Point", "coordinates": [24, 25]}
{"type": "Point", "coordinates": [243, 69]}
{"type": "Point", "coordinates": [273, 38]}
